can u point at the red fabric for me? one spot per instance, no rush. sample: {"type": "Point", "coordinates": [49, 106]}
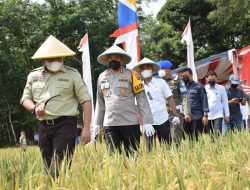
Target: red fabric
{"type": "Point", "coordinates": [245, 68]}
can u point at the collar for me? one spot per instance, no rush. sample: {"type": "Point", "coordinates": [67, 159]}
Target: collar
{"type": "Point", "coordinates": [214, 87]}
{"type": "Point", "coordinates": [63, 69]}
{"type": "Point", "coordinates": [152, 81]}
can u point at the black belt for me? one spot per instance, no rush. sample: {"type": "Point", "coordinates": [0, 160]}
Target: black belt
{"type": "Point", "coordinates": [55, 121]}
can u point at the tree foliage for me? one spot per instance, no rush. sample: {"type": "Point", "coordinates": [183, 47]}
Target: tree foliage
{"type": "Point", "coordinates": [217, 25]}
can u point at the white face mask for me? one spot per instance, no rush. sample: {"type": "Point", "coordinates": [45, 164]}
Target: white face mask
{"type": "Point", "coordinates": [146, 73]}
{"type": "Point", "coordinates": [162, 73]}
{"type": "Point", "coordinates": [54, 66]}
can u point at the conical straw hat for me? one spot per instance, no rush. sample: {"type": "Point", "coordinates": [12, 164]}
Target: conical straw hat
{"type": "Point", "coordinates": [52, 48]}
{"type": "Point", "coordinates": [103, 58]}
{"type": "Point", "coordinates": [146, 61]}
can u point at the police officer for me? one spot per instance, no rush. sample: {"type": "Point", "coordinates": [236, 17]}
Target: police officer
{"type": "Point", "coordinates": [179, 91]}
{"type": "Point", "coordinates": [158, 94]}
{"type": "Point", "coordinates": [52, 94]}
{"type": "Point", "coordinates": [117, 88]}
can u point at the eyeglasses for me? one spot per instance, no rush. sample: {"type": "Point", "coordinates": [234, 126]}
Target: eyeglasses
{"type": "Point", "coordinates": [149, 96]}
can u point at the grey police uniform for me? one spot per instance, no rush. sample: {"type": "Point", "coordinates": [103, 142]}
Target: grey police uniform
{"type": "Point", "coordinates": [116, 109]}
{"type": "Point", "coordinates": [116, 100]}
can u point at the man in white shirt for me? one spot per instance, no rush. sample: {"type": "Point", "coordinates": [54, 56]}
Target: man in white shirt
{"type": "Point", "coordinates": [158, 94]}
{"type": "Point", "coordinates": [218, 104]}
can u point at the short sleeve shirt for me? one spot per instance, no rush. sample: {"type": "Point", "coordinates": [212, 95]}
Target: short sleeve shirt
{"type": "Point", "coordinates": [67, 83]}
{"type": "Point", "coordinates": [157, 91]}
{"type": "Point", "coordinates": [235, 112]}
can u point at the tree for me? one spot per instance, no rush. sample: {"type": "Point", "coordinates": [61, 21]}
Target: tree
{"type": "Point", "coordinates": [24, 27]}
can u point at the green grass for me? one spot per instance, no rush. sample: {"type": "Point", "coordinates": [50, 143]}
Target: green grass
{"type": "Point", "coordinates": [224, 164]}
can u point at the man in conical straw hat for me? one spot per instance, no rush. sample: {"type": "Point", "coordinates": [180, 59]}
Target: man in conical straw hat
{"type": "Point", "coordinates": [158, 94]}
{"type": "Point", "coordinates": [52, 94]}
{"type": "Point", "coordinates": [117, 88]}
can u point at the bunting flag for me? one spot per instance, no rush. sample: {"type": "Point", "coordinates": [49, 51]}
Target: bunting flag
{"type": "Point", "coordinates": [127, 34]}
{"type": "Point", "coordinates": [244, 57]}
{"type": "Point", "coordinates": [219, 63]}
{"type": "Point", "coordinates": [86, 68]}
{"type": "Point", "coordinates": [187, 37]}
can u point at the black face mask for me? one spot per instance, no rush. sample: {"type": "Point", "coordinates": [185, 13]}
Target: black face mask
{"type": "Point", "coordinates": [234, 85]}
{"type": "Point", "coordinates": [212, 82]}
{"type": "Point", "coordinates": [186, 79]}
{"type": "Point", "coordinates": [115, 65]}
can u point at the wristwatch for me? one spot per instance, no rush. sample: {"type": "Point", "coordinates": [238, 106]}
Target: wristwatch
{"type": "Point", "coordinates": [33, 110]}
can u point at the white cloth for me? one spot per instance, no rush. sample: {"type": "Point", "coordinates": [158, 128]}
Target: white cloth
{"type": "Point", "coordinates": [157, 91]}
{"type": "Point", "coordinates": [244, 111]}
{"type": "Point", "coordinates": [217, 102]}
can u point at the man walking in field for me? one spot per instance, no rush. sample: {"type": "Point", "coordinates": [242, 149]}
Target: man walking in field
{"type": "Point", "coordinates": [52, 94]}
{"type": "Point", "coordinates": [158, 94]}
{"type": "Point", "coordinates": [116, 112]}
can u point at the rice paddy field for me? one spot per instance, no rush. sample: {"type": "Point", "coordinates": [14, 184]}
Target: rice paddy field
{"type": "Point", "coordinates": [223, 164]}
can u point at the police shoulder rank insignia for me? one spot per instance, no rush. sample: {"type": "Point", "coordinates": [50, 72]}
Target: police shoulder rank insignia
{"type": "Point", "coordinates": [137, 83]}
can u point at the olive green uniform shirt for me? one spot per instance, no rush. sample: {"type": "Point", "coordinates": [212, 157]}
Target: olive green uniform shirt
{"type": "Point", "coordinates": [115, 105]}
{"type": "Point", "coordinates": [179, 98]}
{"type": "Point", "coordinates": [67, 82]}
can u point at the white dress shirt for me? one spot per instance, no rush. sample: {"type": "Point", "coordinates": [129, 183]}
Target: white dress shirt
{"type": "Point", "coordinates": [157, 91]}
{"type": "Point", "coordinates": [217, 102]}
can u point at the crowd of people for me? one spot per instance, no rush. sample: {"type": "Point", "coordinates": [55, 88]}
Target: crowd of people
{"type": "Point", "coordinates": [146, 99]}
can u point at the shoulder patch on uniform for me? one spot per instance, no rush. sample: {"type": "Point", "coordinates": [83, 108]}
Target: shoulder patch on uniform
{"type": "Point", "coordinates": [38, 69]}
{"type": "Point", "coordinates": [71, 68]}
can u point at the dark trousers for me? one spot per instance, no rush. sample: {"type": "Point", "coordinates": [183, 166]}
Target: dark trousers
{"type": "Point", "coordinates": [214, 127]}
{"type": "Point", "coordinates": [162, 132]}
{"type": "Point", "coordinates": [193, 129]}
{"type": "Point", "coordinates": [56, 141]}
{"type": "Point", "coordinates": [128, 136]}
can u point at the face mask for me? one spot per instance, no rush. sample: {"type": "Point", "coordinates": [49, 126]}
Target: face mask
{"type": "Point", "coordinates": [186, 79]}
{"type": "Point", "coordinates": [162, 73]}
{"type": "Point", "coordinates": [54, 66]}
{"type": "Point", "coordinates": [212, 82]}
{"type": "Point", "coordinates": [115, 65]}
{"type": "Point", "coordinates": [234, 85]}
{"type": "Point", "coordinates": [146, 73]}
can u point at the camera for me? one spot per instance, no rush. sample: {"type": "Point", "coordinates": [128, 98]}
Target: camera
{"type": "Point", "coordinates": [240, 99]}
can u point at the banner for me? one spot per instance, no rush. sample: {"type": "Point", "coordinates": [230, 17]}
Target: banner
{"type": "Point", "coordinates": [187, 37]}
{"type": "Point", "coordinates": [86, 68]}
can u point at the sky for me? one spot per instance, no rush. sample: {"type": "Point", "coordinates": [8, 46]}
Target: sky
{"type": "Point", "coordinates": [153, 7]}
{"type": "Point", "coordinates": [149, 8]}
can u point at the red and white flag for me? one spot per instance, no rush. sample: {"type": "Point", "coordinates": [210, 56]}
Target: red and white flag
{"type": "Point", "coordinates": [187, 37]}
{"type": "Point", "coordinates": [86, 68]}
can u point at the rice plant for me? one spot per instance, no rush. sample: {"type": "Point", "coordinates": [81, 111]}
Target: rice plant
{"type": "Point", "coordinates": [222, 164]}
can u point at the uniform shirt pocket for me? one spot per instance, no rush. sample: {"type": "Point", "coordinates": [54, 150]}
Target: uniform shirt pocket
{"type": "Point", "coordinates": [63, 88]}
{"type": "Point", "coordinates": [37, 89]}
{"type": "Point", "coordinates": [105, 88]}
{"type": "Point", "coordinates": [122, 88]}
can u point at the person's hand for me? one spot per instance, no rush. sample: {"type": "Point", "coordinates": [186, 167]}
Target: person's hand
{"type": "Point", "coordinates": [95, 130]}
{"type": "Point", "coordinates": [39, 110]}
{"type": "Point", "coordinates": [85, 135]}
{"type": "Point", "coordinates": [234, 101]}
{"type": "Point", "coordinates": [188, 118]}
{"type": "Point", "coordinates": [205, 120]}
{"type": "Point", "coordinates": [176, 120]}
{"type": "Point", "coordinates": [226, 119]}
{"type": "Point", "coordinates": [243, 102]}
{"type": "Point", "coordinates": [148, 129]}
